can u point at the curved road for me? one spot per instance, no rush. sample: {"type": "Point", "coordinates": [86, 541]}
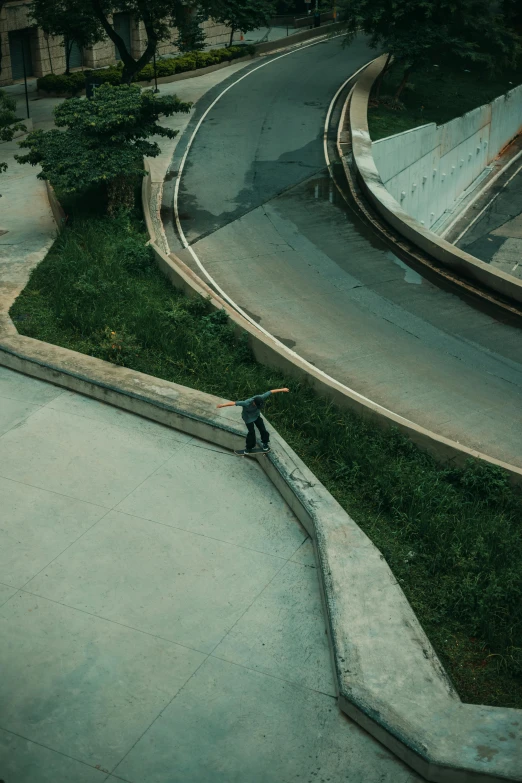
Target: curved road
{"type": "Point", "coordinates": [258, 207]}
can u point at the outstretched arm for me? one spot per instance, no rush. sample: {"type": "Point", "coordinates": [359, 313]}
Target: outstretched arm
{"type": "Point", "coordinates": [243, 402]}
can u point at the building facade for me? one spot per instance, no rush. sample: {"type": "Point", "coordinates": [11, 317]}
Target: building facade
{"type": "Point", "coordinates": [28, 52]}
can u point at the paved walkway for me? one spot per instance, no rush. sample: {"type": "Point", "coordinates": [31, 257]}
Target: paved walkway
{"type": "Point", "coordinates": [160, 615]}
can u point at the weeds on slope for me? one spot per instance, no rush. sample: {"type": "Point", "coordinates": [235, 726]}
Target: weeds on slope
{"type": "Point", "coordinates": [452, 537]}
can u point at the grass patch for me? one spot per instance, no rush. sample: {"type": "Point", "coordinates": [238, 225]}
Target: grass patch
{"type": "Point", "coordinates": [452, 537]}
{"type": "Point", "coordinates": [436, 95]}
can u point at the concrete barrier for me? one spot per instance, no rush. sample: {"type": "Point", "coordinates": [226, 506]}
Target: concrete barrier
{"type": "Point", "coordinates": [464, 264]}
{"type": "Point", "coordinates": [60, 218]}
{"type": "Point", "coordinates": [268, 350]}
{"type": "Point", "coordinates": [428, 168]}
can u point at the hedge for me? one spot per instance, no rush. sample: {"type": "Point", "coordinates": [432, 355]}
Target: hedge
{"type": "Point", "coordinates": [74, 83]}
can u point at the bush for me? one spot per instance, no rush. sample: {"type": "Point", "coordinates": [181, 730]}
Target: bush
{"type": "Point", "coordinates": [63, 84]}
{"type": "Point", "coordinates": [75, 82]}
{"type": "Point", "coordinates": [110, 75]}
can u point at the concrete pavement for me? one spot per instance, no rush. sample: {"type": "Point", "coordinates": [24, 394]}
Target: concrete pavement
{"type": "Point", "coordinates": [160, 615]}
{"type": "Point", "coordinates": [265, 220]}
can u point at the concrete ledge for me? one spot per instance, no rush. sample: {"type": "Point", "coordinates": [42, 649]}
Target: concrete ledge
{"type": "Point", "coordinates": [268, 350]}
{"type": "Point", "coordinates": [60, 218]}
{"type": "Point", "coordinates": [388, 676]}
{"type": "Point", "coordinates": [448, 255]}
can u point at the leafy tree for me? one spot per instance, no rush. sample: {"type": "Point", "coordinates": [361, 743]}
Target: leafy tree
{"type": "Point", "coordinates": [104, 141]}
{"type": "Point", "coordinates": [9, 124]}
{"type": "Point", "coordinates": [417, 33]}
{"type": "Point", "coordinates": [70, 19]}
{"type": "Point", "coordinates": [244, 15]}
{"type": "Point", "coordinates": [158, 16]}
{"type": "Point", "coordinates": [191, 37]}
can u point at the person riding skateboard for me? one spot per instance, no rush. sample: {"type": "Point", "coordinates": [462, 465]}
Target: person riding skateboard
{"type": "Point", "coordinates": [252, 418]}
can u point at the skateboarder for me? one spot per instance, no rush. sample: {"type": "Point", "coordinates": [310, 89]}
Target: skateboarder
{"type": "Point", "coordinates": [252, 418]}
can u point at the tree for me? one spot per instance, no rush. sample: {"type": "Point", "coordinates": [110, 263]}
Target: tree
{"type": "Point", "coordinates": [157, 17]}
{"type": "Point", "coordinates": [243, 15]}
{"type": "Point", "coordinates": [70, 19]}
{"type": "Point", "coordinates": [191, 37]}
{"type": "Point", "coordinates": [418, 34]}
{"type": "Point", "coordinates": [9, 122]}
{"type": "Point", "coordinates": [104, 141]}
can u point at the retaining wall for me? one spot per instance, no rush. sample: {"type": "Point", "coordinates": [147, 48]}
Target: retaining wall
{"type": "Point", "coordinates": [464, 264]}
{"type": "Point", "coordinates": [427, 168]}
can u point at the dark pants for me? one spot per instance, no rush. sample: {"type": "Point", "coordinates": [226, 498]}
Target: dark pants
{"type": "Point", "coordinates": [251, 436]}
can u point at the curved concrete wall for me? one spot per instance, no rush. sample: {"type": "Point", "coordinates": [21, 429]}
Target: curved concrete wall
{"type": "Point", "coordinates": [427, 168]}
{"type": "Point", "coordinates": [464, 264]}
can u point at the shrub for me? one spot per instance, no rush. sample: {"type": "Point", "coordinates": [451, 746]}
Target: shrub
{"type": "Point", "coordinates": [75, 82]}
{"type": "Point", "coordinates": [63, 84]}
{"type": "Point", "coordinates": [110, 75]}
{"type": "Point", "coordinates": [186, 63]}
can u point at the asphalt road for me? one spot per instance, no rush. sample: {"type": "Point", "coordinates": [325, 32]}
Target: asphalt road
{"type": "Point", "coordinates": [258, 207]}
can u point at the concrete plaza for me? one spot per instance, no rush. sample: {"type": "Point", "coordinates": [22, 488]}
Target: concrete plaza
{"type": "Point", "coordinates": [160, 615]}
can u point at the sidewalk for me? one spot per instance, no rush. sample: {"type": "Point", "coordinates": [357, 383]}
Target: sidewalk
{"type": "Point", "coordinates": [160, 613]}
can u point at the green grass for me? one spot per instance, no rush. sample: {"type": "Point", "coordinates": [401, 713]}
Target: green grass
{"type": "Point", "coordinates": [437, 95]}
{"type": "Point", "coordinates": [452, 537]}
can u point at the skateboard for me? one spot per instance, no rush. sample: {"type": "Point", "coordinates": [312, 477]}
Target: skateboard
{"type": "Point", "coordinates": [256, 450]}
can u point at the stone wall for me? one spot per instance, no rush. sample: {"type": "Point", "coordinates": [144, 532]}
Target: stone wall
{"type": "Point", "coordinates": [48, 54]}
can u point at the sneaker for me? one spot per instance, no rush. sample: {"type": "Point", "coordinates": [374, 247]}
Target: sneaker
{"type": "Point", "coordinates": [265, 447]}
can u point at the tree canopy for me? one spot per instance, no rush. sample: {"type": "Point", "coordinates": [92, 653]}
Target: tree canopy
{"type": "Point", "coordinates": [191, 36]}
{"type": "Point", "coordinates": [418, 33]}
{"type": "Point", "coordinates": [104, 141]}
{"type": "Point", "coordinates": [244, 15]}
{"type": "Point", "coordinates": [71, 19]}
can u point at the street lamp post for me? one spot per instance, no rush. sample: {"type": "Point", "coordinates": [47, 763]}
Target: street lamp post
{"type": "Point", "coordinates": [155, 74]}
{"type": "Point", "coordinates": [25, 76]}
